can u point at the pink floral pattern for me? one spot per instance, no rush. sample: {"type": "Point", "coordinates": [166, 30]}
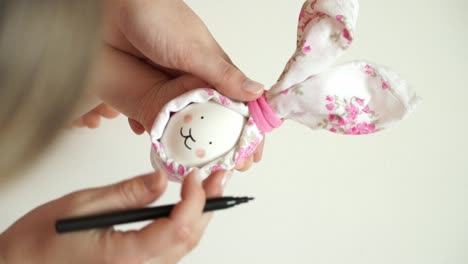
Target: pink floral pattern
{"type": "Point", "coordinates": [224, 101]}
{"type": "Point", "coordinates": [349, 117]}
{"type": "Point", "coordinates": [347, 36]}
{"type": "Point", "coordinates": [169, 167]}
{"type": "Point", "coordinates": [301, 15]}
{"type": "Point", "coordinates": [307, 15]}
{"type": "Point", "coordinates": [216, 167]}
{"type": "Point", "coordinates": [244, 152]}
{"type": "Point", "coordinates": [361, 129]}
{"type": "Point", "coordinates": [338, 111]}
{"type": "Point", "coordinates": [176, 171]}
{"type": "Point", "coordinates": [385, 84]}
{"type": "Point", "coordinates": [360, 101]}
{"type": "Point", "coordinates": [217, 97]}
{"type": "Point", "coordinates": [341, 36]}
{"type": "Point", "coordinates": [366, 109]}
{"type": "Point", "coordinates": [340, 18]}
{"type": "Point", "coordinates": [210, 92]}
{"type": "Point", "coordinates": [369, 70]}
{"type": "Point", "coordinates": [182, 169]}
{"type": "Point", "coordinates": [346, 33]}
{"type": "Point", "coordinates": [156, 147]}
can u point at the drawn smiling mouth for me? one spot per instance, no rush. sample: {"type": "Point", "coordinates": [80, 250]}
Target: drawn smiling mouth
{"type": "Point", "coordinates": [187, 137]}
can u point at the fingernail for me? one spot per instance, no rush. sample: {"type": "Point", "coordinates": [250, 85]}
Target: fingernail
{"type": "Point", "coordinates": [227, 176]}
{"type": "Point", "coordinates": [198, 177]}
{"type": "Point", "coordinates": [252, 87]}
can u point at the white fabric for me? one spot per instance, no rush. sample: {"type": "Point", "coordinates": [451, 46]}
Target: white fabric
{"type": "Point", "coordinates": [320, 39]}
{"type": "Point", "coordinates": [346, 96]}
{"type": "Point", "coordinates": [355, 98]}
{"type": "Point", "coordinates": [249, 139]}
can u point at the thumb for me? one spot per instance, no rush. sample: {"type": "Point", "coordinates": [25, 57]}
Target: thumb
{"type": "Point", "coordinates": [223, 75]}
{"type": "Point", "coordinates": [132, 193]}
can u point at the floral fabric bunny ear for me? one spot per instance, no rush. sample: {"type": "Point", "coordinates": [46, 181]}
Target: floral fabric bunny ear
{"type": "Point", "coordinates": [355, 98]}
{"type": "Point", "coordinates": [325, 31]}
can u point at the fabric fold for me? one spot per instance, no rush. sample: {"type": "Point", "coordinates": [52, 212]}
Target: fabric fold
{"type": "Point", "coordinates": [355, 98]}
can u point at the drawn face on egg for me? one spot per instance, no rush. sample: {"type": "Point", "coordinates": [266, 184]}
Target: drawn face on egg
{"type": "Point", "coordinates": [201, 132]}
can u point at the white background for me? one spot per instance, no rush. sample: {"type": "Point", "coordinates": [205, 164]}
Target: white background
{"type": "Point", "coordinates": [395, 197]}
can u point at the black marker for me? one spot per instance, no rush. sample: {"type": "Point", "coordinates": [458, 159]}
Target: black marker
{"type": "Point", "coordinates": [136, 215]}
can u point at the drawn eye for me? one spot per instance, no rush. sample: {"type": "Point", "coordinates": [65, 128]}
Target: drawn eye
{"type": "Point", "coordinates": [211, 143]}
{"type": "Point", "coordinates": [202, 117]}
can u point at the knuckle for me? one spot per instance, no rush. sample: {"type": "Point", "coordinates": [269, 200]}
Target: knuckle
{"type": "Point", "coordinates": [186, 236]}
{"type": "Point", "coordinates": [128, 191]}
{"type": "Point", "coordinates": [151, 104]}
{"type": "Point", "coordinates": [186, 58]}
{"type": "Point", "coordinates": [225, 74]}
{"type": "Point", "coordinates": [76, 202]}
{"type": "Point", "coordinates": [182, 234]}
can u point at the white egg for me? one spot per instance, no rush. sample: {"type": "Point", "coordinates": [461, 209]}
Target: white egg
{"type": "Point", "coordinates": [201, 132]}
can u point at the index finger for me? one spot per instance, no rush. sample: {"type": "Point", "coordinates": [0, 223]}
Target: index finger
{"type": "Point", "coordinates": [173, 236]}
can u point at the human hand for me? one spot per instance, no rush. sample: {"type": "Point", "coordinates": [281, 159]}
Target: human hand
{"type": "Point", "coordinates": [92, 119]}
{"type": "Point", "coordinates": [32, 239]}
{"type": "Point", "coordinates": [158, 50]}
{"type": "Point", "coordinates": [171, 37]}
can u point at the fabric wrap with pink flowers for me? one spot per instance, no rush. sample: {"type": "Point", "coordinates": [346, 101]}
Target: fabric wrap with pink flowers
{"type": "Point", "coordinates": [354, 98]}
